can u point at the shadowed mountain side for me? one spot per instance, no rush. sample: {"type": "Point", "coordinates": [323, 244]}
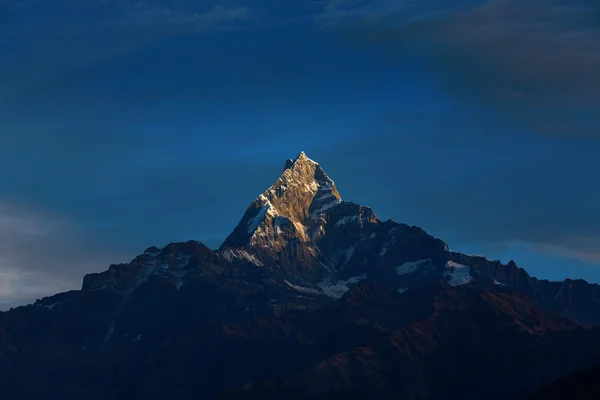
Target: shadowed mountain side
{"type": "Point", "coordinates": [310, 296]}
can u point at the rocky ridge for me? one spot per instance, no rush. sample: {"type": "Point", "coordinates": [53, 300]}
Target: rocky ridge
{"type": "Point", "coordinates": [302, 235]}
{"type": "Point", "coordinates": [314, 290]}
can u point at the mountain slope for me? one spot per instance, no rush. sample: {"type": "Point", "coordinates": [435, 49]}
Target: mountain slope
{"type": "Point", "coordinates": [313, 290]}
{"type": "Point", "coordinates": [302, 231]}
{"type": "Point", "coordinates": [433, 343]}
{"type": "Point", "coordinates": [202, 341]}
{"type": "Point", "coordinates": [583, 385]}
{"type": "Point", "coordinates": [303, 235]}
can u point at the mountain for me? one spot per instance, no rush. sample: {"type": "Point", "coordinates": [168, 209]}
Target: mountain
{"type": "Point", "coordinates": [434, 343]}
{"type": "Point", "coordinates": [310, 296]}
{"type": "Point", "coordinates": [302, 231]}
{"type": "Point", "coordinates": [583, 385]}
{"type": "Point", "coordinates": [302, 234]}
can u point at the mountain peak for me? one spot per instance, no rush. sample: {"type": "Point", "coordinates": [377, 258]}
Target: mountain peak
{"type": "Point", "coordinates": [302, 158]}
{"type": "Point", "coordinates": [297, 199]}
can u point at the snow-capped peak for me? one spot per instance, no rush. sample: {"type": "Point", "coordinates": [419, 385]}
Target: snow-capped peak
{"type": "Point", "coordinates": [303, 193]}
{"type": "Point", "coordinates": [303, 157]}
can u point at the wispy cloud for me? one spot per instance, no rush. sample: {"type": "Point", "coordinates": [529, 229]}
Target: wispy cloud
{"type": "Point", "coordinates": [535, 62]}
{"type": "Point", "coordinates": [585, 249]}
{"type": "Point", "coordinates": [46, 42]}
{"type": "Point", "coordinates": [41, 255]}
{"type": "Point", "coordinates": [475, 186]}
{"type": "Point", "coordinates": [173, 18]}
{"type": "Point", "coordinates": [532, 65]}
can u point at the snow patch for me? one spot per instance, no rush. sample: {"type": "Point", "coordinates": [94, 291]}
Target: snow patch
{"type": "Point", "coordinates": [346, 219]}
{"type": "Point", "coordinates": [300, 229]}
{"type": "Point", "coordinates": [326, 207]}
{"type": "Point", "coordinates": [338, 289]}
{"type": "Point", "coordinates": [266, 209]}
{"type": "Point", "coordinates": [402, 290]}
{"type": "Point", "coordinates": [472, 255]}
{"type": "Point", "coordinates": [322, 195]}
{"type": "Point", "coordinates": [179, 280]}
{"type": "Point", "coordinates": [349, 253]}
{"type": "Point", "coordinates": [499, 283]}
{"type": "Point", "coordinates": [111, 329]}
{"type": "Point", "coordinates": [302, 288]}
{"type": "Point", "coordinates": [459, 274]}
{"type": "Point", "coordinates": [303, 156]}
{"type": "Point", "coordinates": [241, 254]}
{"type": "Point", "coordinates": [411, 266]}
{"type": "Point", "coordinates": [255, 222]}
{"type": "Point", "coordinates": [557, 295]}
{"type": "Point", "coordinates": [50, 306]}
{"type": "Point", "coordinates": [176, 270]}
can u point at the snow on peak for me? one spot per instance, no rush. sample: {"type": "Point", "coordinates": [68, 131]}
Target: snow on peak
{"type": "Point", "coordinates": [459, 274]}
{"type": "Point", "coordinates": [301, 195]}
{"type": "Point", "coordinates": [303, 157]}
{"type": "Point", "coordinates": [304, 183]}
{"type": "Point", "coordinates": [266, 209]}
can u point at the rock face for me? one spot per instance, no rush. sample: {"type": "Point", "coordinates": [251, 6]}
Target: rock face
{"type": "Point", "coordinates": [424, 344]}
{"type": "Point", "coordinates": [288, 219]}
{"type": "Point", "coordinates": [290, 209]}
{"type": "Point", "coordinates": [302, 232]}
{"type": "Point", "coordinates": [309, 297]}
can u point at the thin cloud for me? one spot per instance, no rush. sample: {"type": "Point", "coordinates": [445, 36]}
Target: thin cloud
{"type": "Point", "coordinates": [536, 62]}
{"type": "Point", "coordinates": [42, 255]}
{"type": "Point", "coordinates": [585, 249]}
{"type": "Point", "coordinates": [533, 65]}
{"type": "Point", "coordinates": [46, 44]}
{"type": "Point", "coordinates": [512, 188]}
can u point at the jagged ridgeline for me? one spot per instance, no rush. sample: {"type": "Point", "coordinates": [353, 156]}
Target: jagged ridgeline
{"type": "Point", "coordinates": [309, 296]}
{"type": "Point", "coordinates": [302, 234]}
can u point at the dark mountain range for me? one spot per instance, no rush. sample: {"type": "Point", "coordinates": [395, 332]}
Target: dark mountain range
{"type": "Point", "coordinates": [579, 386]}
{"type": "Point", "coordinates": [309, 297]}
{"type": "Point", "coordinates": [471, 345]}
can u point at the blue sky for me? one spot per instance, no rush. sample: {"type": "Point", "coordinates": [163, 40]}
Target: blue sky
{"type": "Point", "coordinates": [126, 124]}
